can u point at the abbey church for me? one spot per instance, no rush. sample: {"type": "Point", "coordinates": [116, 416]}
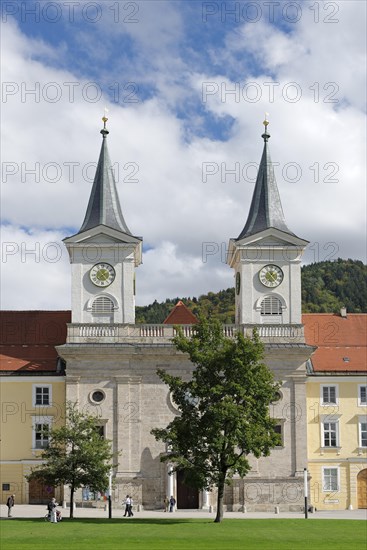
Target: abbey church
{"type": "Point", "coordinates": [96, 355]}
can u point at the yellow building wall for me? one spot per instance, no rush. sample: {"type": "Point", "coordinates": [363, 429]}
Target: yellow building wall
{"type": "Point", "coordinates": [349, 458]}
{"type": "Point", "coordinates": [18, 413]}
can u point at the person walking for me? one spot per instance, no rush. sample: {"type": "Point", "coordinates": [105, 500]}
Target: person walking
{"type": "Point", "coordinates": [127, 505]}
{"type": "Point", "coordinates": [131, 507]}
{"type": "Point", "coordinates": [10, 504]}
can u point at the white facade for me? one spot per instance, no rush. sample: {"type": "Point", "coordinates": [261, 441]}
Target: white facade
{"type": "Point", "coordinates": [248, 257]}
{"type": "Point", "coordinates": [112, 363]}
{"type": "Point", "coordinates": [93, 248]}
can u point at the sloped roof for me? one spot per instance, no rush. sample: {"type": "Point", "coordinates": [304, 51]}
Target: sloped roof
{"type": "Point", "coordinates": [28, 340]}
{"type": "Point", "coordinates": [341, 341]}
{"type": "Point", "coordinates": [181, 315]}
{"type": "Point", "coordinates": [104, 205]}
{"type": "Point", "coordinates": [266, 208]}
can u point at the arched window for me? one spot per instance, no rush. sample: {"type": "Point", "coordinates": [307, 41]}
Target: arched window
{"type": "Point", "coordinates": [102, 304]}
{"type": "Point", "coordinates": [271, 305]}
{"type": "Point", "coordinates": [102, 309]}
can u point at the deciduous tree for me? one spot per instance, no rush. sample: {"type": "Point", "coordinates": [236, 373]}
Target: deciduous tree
{"type": "Point", "coordinates": [224, 408]}
{"type": "Point", "coordinates": [77, 455]}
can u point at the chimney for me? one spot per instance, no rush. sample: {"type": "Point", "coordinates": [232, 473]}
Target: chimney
{"type": "Point", "coordinates": [343, 312]}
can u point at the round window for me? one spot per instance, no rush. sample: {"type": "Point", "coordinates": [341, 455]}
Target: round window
{"type": "Point", "coordinates": [98, 396]}
{"type": "Point", "coordinates": [277, 397]}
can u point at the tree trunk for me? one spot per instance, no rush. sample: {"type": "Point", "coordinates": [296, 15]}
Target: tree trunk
{"type": "Point", "coordinates": [72, 502]}
{"type": "Point", "coordinates": [220, 497]}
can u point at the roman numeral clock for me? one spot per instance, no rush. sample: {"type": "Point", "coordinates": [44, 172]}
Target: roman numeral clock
{"type": "Point", "coordinates": [271, 276]}
{"type": "Point", "coordinates": [102, 275]}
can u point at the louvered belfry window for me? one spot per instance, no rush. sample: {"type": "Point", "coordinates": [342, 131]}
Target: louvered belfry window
{"type": "Point", "coordinates": [102, 304]}
{"type": "Point", "coordinates": [271, 306]}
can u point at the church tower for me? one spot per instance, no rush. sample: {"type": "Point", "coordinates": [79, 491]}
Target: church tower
{"type": "Point", "coordinates": [103, 254]}
{"type": "Point", "coordinates": [266, 257]}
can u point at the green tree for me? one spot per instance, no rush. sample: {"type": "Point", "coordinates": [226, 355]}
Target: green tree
{"type": "Point", "coordinates": [224, 408]}
{"type": "Point", "coordinates": [77, 455]}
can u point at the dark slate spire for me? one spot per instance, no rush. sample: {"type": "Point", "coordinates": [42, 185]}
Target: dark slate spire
{"type": "Point", "coordinates": [104, 205]}
{"type": "Point", "coordinates": [266, 209]}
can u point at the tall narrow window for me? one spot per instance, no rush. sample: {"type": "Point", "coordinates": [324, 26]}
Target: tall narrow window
{"type": "Point", "coordinates": [329, 395]}
{"type": "Point", "coordinates": [41, 435]}
{"type": "Point", "coordinates": [279, 429]}
{"type": "Point", "coordinates": [330, 434]}
{"type": "Point", "coordinates": [362, 395]}
{"type": "Point", "coordinates": [330, 479]}
{"type": "Point", "coordinates": [363, 433]}
{"type": "Point", "coordinates": [42, 395]}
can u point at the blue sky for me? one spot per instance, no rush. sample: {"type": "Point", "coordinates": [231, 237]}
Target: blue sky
{"type": "Point", "coordinates": [186, 84]}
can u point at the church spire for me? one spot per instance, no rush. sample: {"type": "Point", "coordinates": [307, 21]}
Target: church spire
{"type": "Point", "coordinates": [104, 205]}
{"type": "Point", "coordinates": [266, 209]}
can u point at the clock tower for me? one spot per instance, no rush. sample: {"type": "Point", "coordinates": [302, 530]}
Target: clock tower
{"type": "Point", "coordinates": [103, 254]}
{"type": "Point", "coordinates": [266, 257]}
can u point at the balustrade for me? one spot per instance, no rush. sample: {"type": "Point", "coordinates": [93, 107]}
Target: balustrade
{"type": "Point", "coordinates": [114, 333]}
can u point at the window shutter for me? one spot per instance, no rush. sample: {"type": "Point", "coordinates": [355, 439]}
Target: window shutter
{"type": "Point", "coordinates": [102, 304]}
{"type": "Point", "coordinates": [271, 306]}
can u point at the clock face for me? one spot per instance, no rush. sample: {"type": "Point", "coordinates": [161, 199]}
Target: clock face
{"type": "Point", "coordinates": [238, 282]}
{"type": "Point", "coordinates": [102, 274]}
{"type": "Point", "coordinates": [271, 276]}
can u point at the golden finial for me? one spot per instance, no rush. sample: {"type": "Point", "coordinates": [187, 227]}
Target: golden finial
{"type": "Point", "coordinates": [104, 131]}
{"type": "Point", "coordinates": [104, 118]}
{"type": "Point", "coordinates": [265, 135]}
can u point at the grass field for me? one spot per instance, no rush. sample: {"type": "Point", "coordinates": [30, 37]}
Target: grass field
{"type": "Point", "coordinates": [181, 534]}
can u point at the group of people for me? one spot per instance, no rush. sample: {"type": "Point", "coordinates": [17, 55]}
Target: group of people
{"type": "Point", "coordinates": [128, 506]}
{"type": "Point", "coordinates": [169, 504]}
{"type": "Point", "coordinates": [55, 515]}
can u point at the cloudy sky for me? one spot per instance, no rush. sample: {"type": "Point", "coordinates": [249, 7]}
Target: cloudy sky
{"type": "Point", "coordinates": [186, 85]}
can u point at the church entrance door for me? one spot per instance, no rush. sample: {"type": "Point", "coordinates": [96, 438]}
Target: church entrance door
{"type": "Point", "coordinates": [187, 497]}
{"type": "Point", "coordinates": [362, 488]}
{"type": "Point", "coordinates": [40, 493]}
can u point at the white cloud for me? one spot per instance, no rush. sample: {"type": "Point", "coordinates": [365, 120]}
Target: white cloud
{"type": "Point", "coordinates": [170, 205]}
{"type": "Point", "coordinates": [35, 269]}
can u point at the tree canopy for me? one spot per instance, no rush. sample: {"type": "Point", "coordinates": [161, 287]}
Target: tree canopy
{"type": "Point", "coordinates": [77, 455]}
{"type": "Point", "coordinates": [224, 408]}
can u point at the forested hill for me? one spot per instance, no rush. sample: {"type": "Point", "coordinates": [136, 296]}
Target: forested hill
{"type": "Point", "coordinates": [326, 287]}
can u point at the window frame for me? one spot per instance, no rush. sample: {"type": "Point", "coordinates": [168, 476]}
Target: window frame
{"type": "Point", "coordinates": [330, 419]}
{"type": "Point", "coordinates": [330, 490]}
{"type": "Point", "coordinates": [362, 420]}
{"type": "Point", "coordinates": [34, 395]}
{"type": "Point", "coordinates": [46, 421]}
{"type": "Point", "coordinates": [280, 422]}
{"type": "Point", "coordinates": [360, 403]}
{"type": "Point", "coordinates": [329, 403]}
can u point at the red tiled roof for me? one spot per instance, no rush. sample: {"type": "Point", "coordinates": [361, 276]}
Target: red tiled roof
{"type": "Point", "coordinates": [28, 339]}
{"type": "Point", "coordinates": [181, 315]}
{"type": "Point", "coordinates": [341, 341]}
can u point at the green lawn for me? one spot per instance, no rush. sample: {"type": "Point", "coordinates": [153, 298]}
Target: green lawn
{"type": "Point", "coordinates": [181, 534]}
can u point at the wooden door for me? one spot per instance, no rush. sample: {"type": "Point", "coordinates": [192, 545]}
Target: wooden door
{"type": "Point", "coordinates": [187, 497]}
{"type": "Point", "coordinates": [40, 493]}
{"type": "Point", "coordinates": [362, 489]}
